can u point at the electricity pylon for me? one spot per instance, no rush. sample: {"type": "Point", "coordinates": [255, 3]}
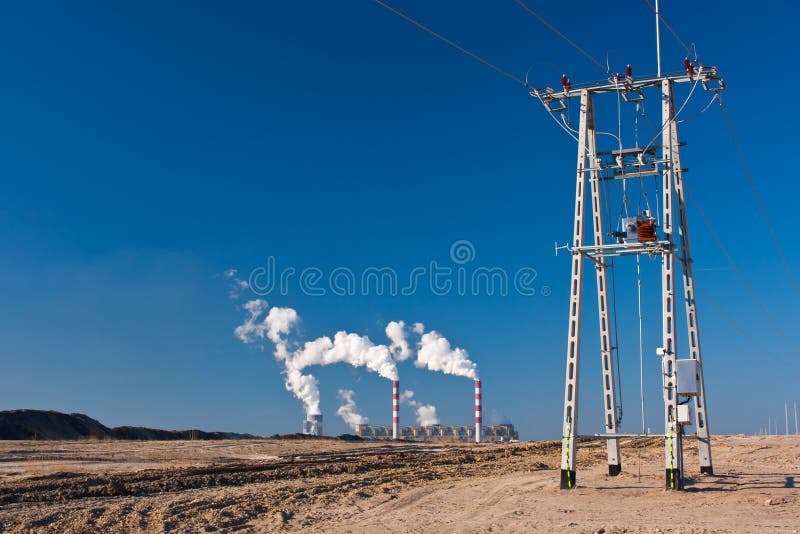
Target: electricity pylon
{"type": "Point", "coordinates": [682, 379]}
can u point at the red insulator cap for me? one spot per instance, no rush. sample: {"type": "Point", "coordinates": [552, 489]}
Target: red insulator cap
{"type": "Point", "coordinates": [629, 71]}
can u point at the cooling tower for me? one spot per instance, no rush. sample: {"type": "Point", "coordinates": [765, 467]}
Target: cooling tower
{"type": "Point", "coordinates": [313, 425]}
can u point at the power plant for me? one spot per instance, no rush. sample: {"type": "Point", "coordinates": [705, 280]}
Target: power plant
{"type": "Point", "coordinates": [464, 434]}
{"type": "Point", "coordinates": [424, 431]}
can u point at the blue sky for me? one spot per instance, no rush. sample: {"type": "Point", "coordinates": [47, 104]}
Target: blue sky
{"type": "Point", "coordinates": [148, 147]}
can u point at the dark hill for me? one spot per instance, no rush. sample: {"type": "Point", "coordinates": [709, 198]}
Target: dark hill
{"type": "Point", "coordinates": [140, 432]}
{"type": "Point", "coordinates": [51, 425]}
{"type": "Point", "coordinates": [39, 424]}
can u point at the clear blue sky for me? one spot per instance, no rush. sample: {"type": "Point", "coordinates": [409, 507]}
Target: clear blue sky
{"type": "Point", "coordinates": [147, 147]}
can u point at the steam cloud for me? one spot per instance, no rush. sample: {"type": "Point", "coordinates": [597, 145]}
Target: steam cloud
{"type": "Point", "coordinates": [305, 388]}
{"type": "Point", "coordinates": [237, 286]}
{"type": "Point", "coordinates": [349, 411]}
{"type": "Point", "coordinates": [435, 354]}
{"type": "Point", "coordinates": [356, 350]}
{"type": "Point", "coordinates": [345, 347]}
{"type": "Point", "coordinates": [278, 324]}
{"type": "Point", "coordinates": [426, 413]}
{"type": "Point", "coordinates": [249, 331]}
{"type": "Point", "coordinates": [396, 332]}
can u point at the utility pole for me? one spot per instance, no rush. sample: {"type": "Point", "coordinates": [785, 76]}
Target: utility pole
{"type": "Point", "coordinates": [682, 379]}
{"type": "Point", "coordinates": [786, 413]}
{"type": "Point", "coordinates": [658, 41]}
{"type": "Point", "coordinates": [795, 418]}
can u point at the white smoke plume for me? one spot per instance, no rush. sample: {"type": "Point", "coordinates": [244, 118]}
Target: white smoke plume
{"type": "Point", "coordinates": [278, 324]}
{"type": "Point", "coordinates": [237, 286]}
{"type": "Point", "coordinates": [305, 388]}
{"type": "Point", "coordinates": [349, 411]}
{"type": "Point", "coordinates": [250, 331]}
{"type": "Point", "coordinates": [345, 347]}
{"type": "Point", "coordinates": [426, 413]}
{"type": "Point", "coordinates": [435, 354]}
{"type": "Point", "coordinates": [356, 350]}
{"type": "Point", "coordinates": [396, 332]}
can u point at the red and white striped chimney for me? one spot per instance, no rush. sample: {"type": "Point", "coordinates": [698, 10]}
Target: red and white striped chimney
{"type": "Point", "coordinates": [477, 411]}
{"type": "Point", "coordinates": [396, 409]}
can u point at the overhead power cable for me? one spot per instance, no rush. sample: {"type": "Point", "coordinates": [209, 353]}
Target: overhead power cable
{"type": "Point", "coordinates": [760, 202]}
{"type": "Point", "coordinates": [569, 41]}
{"type": "Point", "coordinates": [457, 46]}
{"type": "Point", "coordinates": [674, 34]}
{"type": "Point", "coordinates": [721, 246]}
{"type": "Point", "coordinates": [735, 325]}
{"type": "Point", "coordinates": [733, 264]}
{"type": "Point", "coordinates": [724, 314]}
{"type": "Point", "coordinates": [674, 117]}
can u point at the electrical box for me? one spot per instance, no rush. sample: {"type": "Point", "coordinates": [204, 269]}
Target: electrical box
{"type": "Point", "coordinates": [684, 415]}
{"type": "Point", "coordinates": [687, 377]}
{"type": "Point", "coordinates": [630, 229]}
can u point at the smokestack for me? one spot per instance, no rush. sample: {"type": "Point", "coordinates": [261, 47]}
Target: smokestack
{"type": "Point", "coordinates": [395, 409]}
{"type": "Point", "coordinates": [477, 411]}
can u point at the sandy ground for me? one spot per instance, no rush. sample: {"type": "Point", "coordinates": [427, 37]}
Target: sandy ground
{"type": "Point", "coordinates": [334, 486]}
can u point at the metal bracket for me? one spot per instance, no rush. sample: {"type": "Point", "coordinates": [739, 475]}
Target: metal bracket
{"type": "Point", "coordinates": [705, 74]}
{"type": "Point", "coordinates": [574, 251]}
{"type": "Point", "coordinates": [598, 263]}
{"type": "Point", "coordinates": [565, 246]}
{"type": "Point", "coordinates": [554, 104]}
{"type": "Point", "coordinates": [633, 95]}
{"type": "Point", "coordinates": [714, 85]}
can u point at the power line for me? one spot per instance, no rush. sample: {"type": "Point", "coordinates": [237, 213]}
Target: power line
{"type": "Point", "coordinates": [674, 117]}
{"type": "Point", "coordinates": [721, 310]}
{"type": "Point", "coordinates": [725, 252]}
{"type": "Point", "coordinates": [458, 47]}
{"type": "Point", "coordinates": [736, 326]}
{"type": "Point", "coordinates": [761, 206]}
{"type": "Point", "coordinates": [562, 36]}
{"type": "Point", "coordinates": [732, 263]}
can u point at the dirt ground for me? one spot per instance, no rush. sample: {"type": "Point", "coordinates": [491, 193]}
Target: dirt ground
{"type": "Point", "coordinates": [336, 486]}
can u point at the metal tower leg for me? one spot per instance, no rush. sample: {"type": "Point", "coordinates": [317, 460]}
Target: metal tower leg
{"type": "Point", "coordinates": [703, 435]}
{"type": "Point", "coordinates": [673, 445]}
{"type": "Point", "coordinates": [570, 423]}
{"type": "Point", "coordinates": [606, 341]}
